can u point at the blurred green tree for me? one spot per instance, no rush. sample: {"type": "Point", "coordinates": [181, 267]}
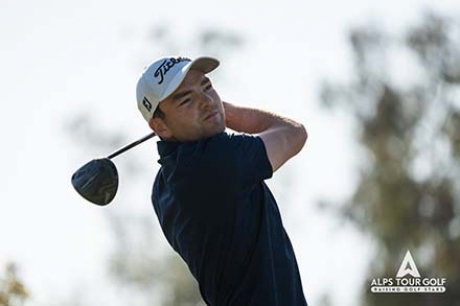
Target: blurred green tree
{"type": "Point", "coordinates": [403, 99]}
{"type": "Point", "coordinates": [12, 290]}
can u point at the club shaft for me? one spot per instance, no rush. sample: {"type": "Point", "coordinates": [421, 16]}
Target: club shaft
{"type": "Point", "coordinates": [129, 146]}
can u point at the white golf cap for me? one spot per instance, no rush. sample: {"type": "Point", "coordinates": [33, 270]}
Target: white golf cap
{"type": "Point", "coordinates": [163, 77]}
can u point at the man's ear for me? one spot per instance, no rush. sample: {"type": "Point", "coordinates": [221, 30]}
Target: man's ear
{"type": "Point", "coordinates": [160, 128]}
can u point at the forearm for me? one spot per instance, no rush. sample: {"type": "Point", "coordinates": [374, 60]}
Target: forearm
{"type": "Point", "coordinates": [254, 121]}
{"type": "Point", "coordinates": [283, 138]}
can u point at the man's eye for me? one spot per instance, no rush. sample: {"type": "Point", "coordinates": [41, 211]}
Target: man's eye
{"type": "Point", "coordinates": [208, 87]}
{"type": "Point", "coordinates": [185, 101]}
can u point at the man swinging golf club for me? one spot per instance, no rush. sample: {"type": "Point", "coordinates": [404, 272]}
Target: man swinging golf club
{"type": "Point", "coordinates": [209, 194]}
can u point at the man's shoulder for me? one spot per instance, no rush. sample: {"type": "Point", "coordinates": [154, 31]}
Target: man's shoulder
{"type": "Point", "coordinates": [223, 156]}
{"type": "Point", "coordinates": [228, 140]}
{"type": "Point", "coordinates": [223, 142]}
{"type": "Point", "coordinates": [216, 142]}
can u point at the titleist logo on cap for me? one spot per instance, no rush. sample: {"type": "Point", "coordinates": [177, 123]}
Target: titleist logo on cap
{"type": "Point", "coordinates": [167, 65]}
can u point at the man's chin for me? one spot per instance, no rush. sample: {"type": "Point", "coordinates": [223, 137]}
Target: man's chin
{"type": "Point", "coordinates": [217, 131]}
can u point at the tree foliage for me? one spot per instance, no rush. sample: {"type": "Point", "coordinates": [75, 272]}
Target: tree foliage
{"type": "Point", "coordinates": [12, 290]}
{"type": "Point", "coordinates": [404, 101]}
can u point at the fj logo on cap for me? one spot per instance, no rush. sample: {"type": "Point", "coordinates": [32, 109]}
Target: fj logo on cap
{"type": "Point", "coordinates": [147, 104]}
{"type": "Point", "coordinates": [167, 65]}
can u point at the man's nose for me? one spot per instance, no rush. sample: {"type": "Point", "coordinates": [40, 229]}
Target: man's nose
{"type": "Point", "coordinates": [206, 100]}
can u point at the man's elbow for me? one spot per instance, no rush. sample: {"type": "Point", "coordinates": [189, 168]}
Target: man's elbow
{"type": "Point", "coordinates": [302, 136]}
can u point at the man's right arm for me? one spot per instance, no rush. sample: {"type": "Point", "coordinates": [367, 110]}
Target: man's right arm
{"type": "Point", "coordinates": [283, 138]}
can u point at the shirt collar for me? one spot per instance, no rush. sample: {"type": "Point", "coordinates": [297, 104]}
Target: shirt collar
{"type": "Point", "coordinates": [165, 147]}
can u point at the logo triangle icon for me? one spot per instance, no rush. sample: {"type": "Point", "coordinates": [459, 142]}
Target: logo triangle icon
{"type": "Point", "coordinates": [412, 269]}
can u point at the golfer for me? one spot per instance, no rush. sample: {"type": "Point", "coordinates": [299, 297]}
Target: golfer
{"type": "Point", "coordinates": [209, 195]}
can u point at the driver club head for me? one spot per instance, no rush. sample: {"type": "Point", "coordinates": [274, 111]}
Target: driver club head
{"type": "Point", "coordinates": [97, 181]}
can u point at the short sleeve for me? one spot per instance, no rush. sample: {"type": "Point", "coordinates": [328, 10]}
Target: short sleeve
{"type": "Point", "coordinates": [238, 158]}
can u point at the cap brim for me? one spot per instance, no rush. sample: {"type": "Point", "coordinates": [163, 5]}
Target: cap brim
{"type": "Point", "coordinates": [203, 64]}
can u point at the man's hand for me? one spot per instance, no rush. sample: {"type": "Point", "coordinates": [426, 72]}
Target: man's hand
{"type": "Point", "coordinates": [283, 137]}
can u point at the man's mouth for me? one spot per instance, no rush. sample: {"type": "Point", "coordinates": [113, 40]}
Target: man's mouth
{"type": "Point", "coordinates": [211, 115]}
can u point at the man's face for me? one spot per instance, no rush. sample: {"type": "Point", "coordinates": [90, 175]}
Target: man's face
{"type": "Point", "coordinates": [193, 111]}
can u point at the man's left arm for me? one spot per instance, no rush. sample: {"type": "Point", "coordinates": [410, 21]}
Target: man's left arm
{"type": "Point", "coordinates": [283, 138]}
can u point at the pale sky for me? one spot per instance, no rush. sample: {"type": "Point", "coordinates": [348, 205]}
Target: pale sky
{"type": "Point", "coordinates": [58, 58]}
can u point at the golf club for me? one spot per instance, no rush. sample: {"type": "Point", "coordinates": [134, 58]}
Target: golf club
{"type": "Point", "coordinates": [97, 180]}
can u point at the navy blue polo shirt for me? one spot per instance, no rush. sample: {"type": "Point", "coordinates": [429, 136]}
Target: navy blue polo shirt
{"type": "Point", "coordinates": [220, 217]}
